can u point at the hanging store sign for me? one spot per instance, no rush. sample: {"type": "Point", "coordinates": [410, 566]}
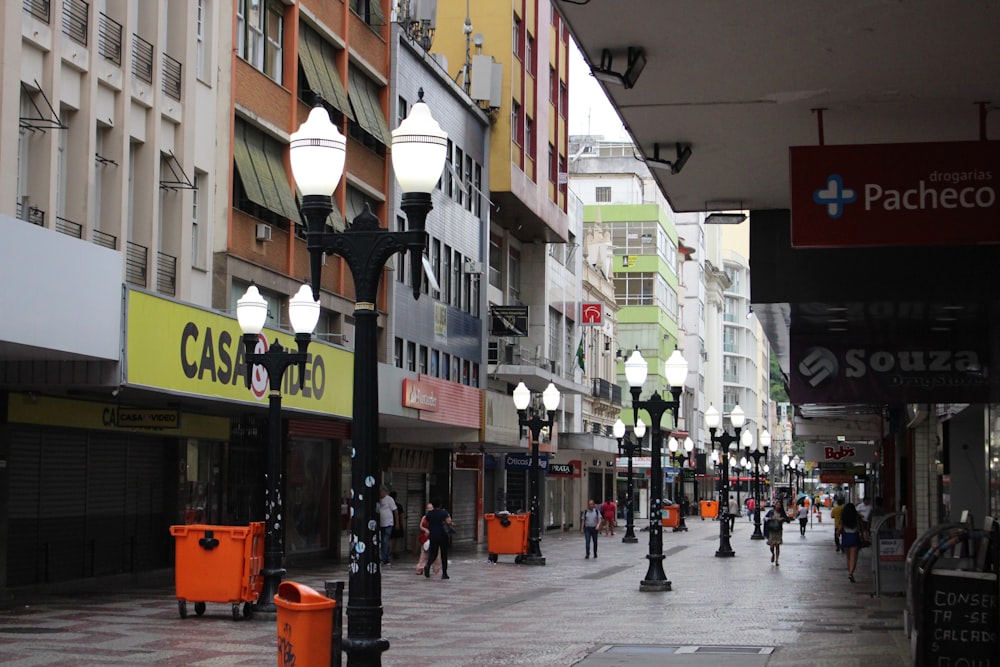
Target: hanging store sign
{"type": "Point", "coordinates": [591, 313]}
{"type": "Point", "coordinates": [895, 194]}
{"type": "Point", "coordinates": [509, 321]}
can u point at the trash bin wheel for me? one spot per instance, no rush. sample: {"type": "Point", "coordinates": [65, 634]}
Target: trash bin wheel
{"type": "Point", "coordinates": [247, 610]}
{"type": "Point", "coordinates": [199, 608]}
{"type": "Point", "coordinates": [236, 612]}
{"type": "Point", "coordinates": [493, 558]}
{"type": "Point", "coordinates": [182, 608]}
{"type": "Point", "coordinates": [517, 559]}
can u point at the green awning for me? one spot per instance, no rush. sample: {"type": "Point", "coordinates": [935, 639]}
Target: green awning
{"type": "Point", "coordinates": [317, 58]}
{"type": "Point", "coordinates": [367, 110]}
{"type": "Point", "coordinates": [258, 160]}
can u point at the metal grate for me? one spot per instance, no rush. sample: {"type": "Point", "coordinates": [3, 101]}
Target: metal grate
{"type": "Point", "coordinates": [142, 59]}
{"type": "Point", "coordinates": [104, 239]}
{"type": "Point", "coordinates": [166, 274]}
{"type": "Point", "coordinates": [69, 228]}
{"type": "Point", "coordinates": [40, 9]}
{"type": "Point", "coordinates": [75, 20]}
{"type": "Point", "coordinates": [32, 214]}
{"type": "Point", "coordinates": [109, 39]}
{"type": "Point", "coordinates": [135, 264]}
{"type": "Point", "coordinates": [171, 77]}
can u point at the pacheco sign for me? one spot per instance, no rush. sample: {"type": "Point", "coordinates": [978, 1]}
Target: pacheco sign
{"type": "Point", "coordinates": [895, 194]}
{"type": "Point", "coordinates": [186, 350]}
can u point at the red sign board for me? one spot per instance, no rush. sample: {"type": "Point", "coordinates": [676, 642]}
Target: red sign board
{"type": "Point", "coordinates": [591, 313]}
{"type": "Point", "coordinates": [419, 395]}
{"type": "Point", "coordinates": [895, 194]}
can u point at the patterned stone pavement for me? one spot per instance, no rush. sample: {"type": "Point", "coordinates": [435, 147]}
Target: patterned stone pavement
{"type": "Point", "coordinates": [573, 611]}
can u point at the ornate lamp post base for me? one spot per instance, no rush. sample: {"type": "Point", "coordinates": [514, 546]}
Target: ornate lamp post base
{"type": "Point", "coordinates": [656, 581]}
{"type": "Point", "coordinates": [630, 539]}
{"type": "Point", "coordinates": [531, 559]}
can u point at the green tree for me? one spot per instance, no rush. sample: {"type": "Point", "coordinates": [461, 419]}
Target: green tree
{"type": "Point", "coordinates": [778, 392]}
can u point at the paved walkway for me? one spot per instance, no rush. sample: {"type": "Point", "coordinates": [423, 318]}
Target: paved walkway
{"type": "Point", "coordinates": [590, 613]}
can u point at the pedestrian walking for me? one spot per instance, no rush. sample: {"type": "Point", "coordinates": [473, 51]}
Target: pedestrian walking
{"type": "Point", "coordinates": [835, 514]}
{"type": "Point", "coordinates": [388, 516]}
{"type": "Point", "coordinates": [802, 513]}
{"type": "Point", "coordinates": [865, 515]}
{"type": "Point", "coordinates": [590, 526]}
{"type": "Point", "coordinates": [776, 518]}
{"type": "Point", "coordinates": [424, 545]}
{"type": "Point", "coordinates": [438, 532]}
{"type": "Point", "coordinates": [850, 537]}
{"type": "Point", "coordinates": [609, 515]}
{"type": "Point", "coordinates": [733, 511]}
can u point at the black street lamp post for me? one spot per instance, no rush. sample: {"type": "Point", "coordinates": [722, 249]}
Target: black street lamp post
{"type": "Point", "coordinates": [636, 370]}
{"type": "Point", "coordinates": [251, 312]}
{"type": "Point", "coordinates": [535, 424]}
{"type": "Point", "coordinates": [678, 458]}
{"type": "Point", "coordinates": [757, 452]}
{"type": "Point", "coordinates": [629, 449]}
{"type": "Point", "coordinates": [317, 157]}
{"type": "Point", "coordinates": [725, 442]}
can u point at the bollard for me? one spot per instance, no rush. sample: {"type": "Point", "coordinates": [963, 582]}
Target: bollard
{"type": "Point", "coordinates": [335, 591]}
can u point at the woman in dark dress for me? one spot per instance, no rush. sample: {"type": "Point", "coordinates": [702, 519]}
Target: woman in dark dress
{"type": "Point", "coordinates": [850, 536]}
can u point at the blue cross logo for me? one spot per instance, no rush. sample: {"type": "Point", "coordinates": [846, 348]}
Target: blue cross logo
{"type": "Point", "coordinates": [834, 196]}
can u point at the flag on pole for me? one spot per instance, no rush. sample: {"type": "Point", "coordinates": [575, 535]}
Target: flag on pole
{"type": "Point", "coordinates": [581, 356]}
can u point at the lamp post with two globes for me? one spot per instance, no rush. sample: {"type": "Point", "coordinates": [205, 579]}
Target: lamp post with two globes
{"type": "Point", "coordinates": [251, 313]}
{"type": "Point", "coordinates": [726, 443]}
{"type": "Point", "coordinates": [317, 155]}
{"type": "Point", "coordinates": [535, 424]}
{"type": "Point", "coordinates": [678, 459]}
{"type": "Point", "coordinates": [636, 370]}
{"type": "Point", "coordinates": [756, 453]}
{"type": "Point", "coordinates": [629, 448]}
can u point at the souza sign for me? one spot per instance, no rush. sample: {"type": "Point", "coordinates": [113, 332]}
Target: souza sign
{"type": "Point", "coordinates": [895, 194]}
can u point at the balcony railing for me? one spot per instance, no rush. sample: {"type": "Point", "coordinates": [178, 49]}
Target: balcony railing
{"type": "Point", "coordinates": [109, 39]}
{"type": "Point", "coordinates": [40, 9]}
{"type": "Point", "coordinates": [142, 59]}
{"type": "Point", "coordinates": [69, 228]}
{"type": "Point", "coordinates": [171, 77]}
{"type": "Point", "coordinates": [166, 274]}
{"type": "Point", "coordinates": [135, 264]}
{"type": "Point", "coordinates": [733, 378]}
{"type": "Point", "coordinates": [76, 20]}
{"type": "Point", "coordinates": [32, 214]}
{"type": "Point", "coordinates": [104, 239]}
{"type": "Point", "coordinates": [616, 394]}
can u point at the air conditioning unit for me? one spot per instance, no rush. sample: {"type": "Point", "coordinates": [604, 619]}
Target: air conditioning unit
{"type": "Point", "coordinates": [263, 232]}
{"type": "Point", "coordinates": [473, 267]}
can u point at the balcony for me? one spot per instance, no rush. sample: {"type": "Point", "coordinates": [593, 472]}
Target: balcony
{"type": "Point", "coordinates": [171, 78]}
{"type": "Point", "coordinates": [104, 239]}
{"type": "Point", "coordinates": [69, 228]}
{"type": "Point", "coordinates": [135, 264]}
{"type": "Point", "coordinates": [166, 274]}
{"type": "Point", "coordinates": [75, 20]}
{"type": "Point", "coordinates": [607, 390]}
{"type": "Point", "coordinates": [32, 214]}
{"type": "Point", "coordinates": [109, 39]}
{"type": "Point", "coordinates": [40, 9]}
{"type": "Point", "coordinates": [142, 59]}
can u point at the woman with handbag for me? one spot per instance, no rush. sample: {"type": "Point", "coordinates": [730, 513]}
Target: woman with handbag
{"type": "Point", "coordinates": [850, 537]}
{"type": "Point", "coordinates": [424, 546]}
{"type": "Point", "coordinates": [439, 527]}
{"type": "Point", "coordinates": [775, 521]}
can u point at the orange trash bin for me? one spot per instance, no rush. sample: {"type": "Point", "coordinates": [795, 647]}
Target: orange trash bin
{"type": "Point", "coordinates": [671, 516]}
{"type": "Point", "coordinates": [305, 625]}
{"type": "Point", "coordinates": [709, 509]}
{"type": "Point", "coordinates": [507, 534]}
{"type": "Point", "coordinates": [218, 564]}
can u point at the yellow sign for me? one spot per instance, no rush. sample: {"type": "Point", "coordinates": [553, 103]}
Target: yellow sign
{"type": "Point", "coordinates": [49, 411]}
{"type": "Point", "coordinates": [187, 350]}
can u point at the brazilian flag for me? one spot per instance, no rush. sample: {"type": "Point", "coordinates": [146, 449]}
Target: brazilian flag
{"type": "Point", "coordinates": [581, 356]}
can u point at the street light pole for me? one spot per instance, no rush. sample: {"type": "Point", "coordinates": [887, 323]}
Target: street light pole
{"type": "Point", "coordinates": [758, 452]}
{"type": "Point", "coordinates": [419, 147]}
{"type": "Point", "coordinates": [636, 371]}
{"type": "Point", "coordinates": [629, 449]}
{"type": "Point", "coordinates": [535, 424]}
{"type": "Point", "coordinates": [678, 458]}
{"type": "Point", "coordinates": [725, 442]}
{"type": "Point", "coordinates": [251, 313]}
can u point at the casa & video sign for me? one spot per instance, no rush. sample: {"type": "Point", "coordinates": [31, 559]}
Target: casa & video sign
{"type": "Point", "coordinates": [183, 349]}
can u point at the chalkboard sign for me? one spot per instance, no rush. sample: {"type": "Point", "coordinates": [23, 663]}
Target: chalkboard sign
{"type": "Point", "coordinates": [960, 619]}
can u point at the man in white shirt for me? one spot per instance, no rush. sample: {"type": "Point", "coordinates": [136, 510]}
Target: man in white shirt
{"type": "Point", "coordinates": [387, 518]}
{"type": "Point", "coordinates": [865, 514]}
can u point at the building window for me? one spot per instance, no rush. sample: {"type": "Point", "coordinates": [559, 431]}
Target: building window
{"type": "Point", "coordinates": [602, 194]}
{"type": "Point", "coordinates": [496, 262]}
{"type": "Point", "coordinates": [201, 18]}
{"type": "Point", "coordinates": [261, 32]}
{"type": "Point", "coordinates": [517, 37]}
{"type": "Point", "coordinates": [411, 356]}
{"type": "Point", "coordinates": [477, 182]}
{"type": "Point", "coordinates": [553, 165]}
{"type": "Point", "coordinates": [435, 363]}
{"type": "Point", "coordinates": [553, 87]}
{"type": "Point", "coordinates": [445, 278]}
{"type": "Point", "coordinates": [402, 109]}
{"type": "Point", "coordinates": [529, 136]}
{"type": "Point", "coordinates": [422, 363]}
{"type": "Point", "coordinates": [563, 100]}
{"type": "Point", "coordinates": [529, 54]}
{"type": "Point", "coordinates": [514, 278]}
{"type": "Point", "coordinates": [516, 124]}
{"type": "Point", "coordinates": [436, 265]}
{"type": "Point", "coordinates": [397, 352]}
{"type": "Point", "coordinates": [197, 229]}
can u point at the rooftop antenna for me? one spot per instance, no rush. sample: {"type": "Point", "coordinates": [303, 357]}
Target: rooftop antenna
{"type": "Point", "coordinates": [467, 30]}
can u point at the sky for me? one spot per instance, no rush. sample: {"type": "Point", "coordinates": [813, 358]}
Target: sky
{"type": "Point", "coordinates": [590, 112]}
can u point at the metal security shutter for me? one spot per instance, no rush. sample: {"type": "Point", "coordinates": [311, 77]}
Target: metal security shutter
{"type": "Point", "coordinates": [105, 495]}
{"type": "Point", "coordinates": [147, 530]}
{"type": "Point", "coordinates": [24, 560]}
{"type": "Point", "coordinates": [463, 512]}
{"type": "Point", "coordinates": [416, 501]}
{"type": "Point", "coordinates": [62, 505]}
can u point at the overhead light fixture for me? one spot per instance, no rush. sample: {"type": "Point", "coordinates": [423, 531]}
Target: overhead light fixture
{"type": "Point", "coordinates": [636, 63]}
{"type": "Point", "coordinates": [725, 218]}
{"type": "Point", "coordinates": [683, 153]}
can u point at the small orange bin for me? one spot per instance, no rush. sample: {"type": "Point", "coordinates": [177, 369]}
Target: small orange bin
{"type": "Point", "coordinates": [671, 516]}
{"type": "Point", "coordinates": [218, 564]}
{"type": "Point", "coordinates": [305, 625]}
{"type": "Point", "coordinates": [709, 509]}
{"type": "Point", "coordinates": [507, 534]}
